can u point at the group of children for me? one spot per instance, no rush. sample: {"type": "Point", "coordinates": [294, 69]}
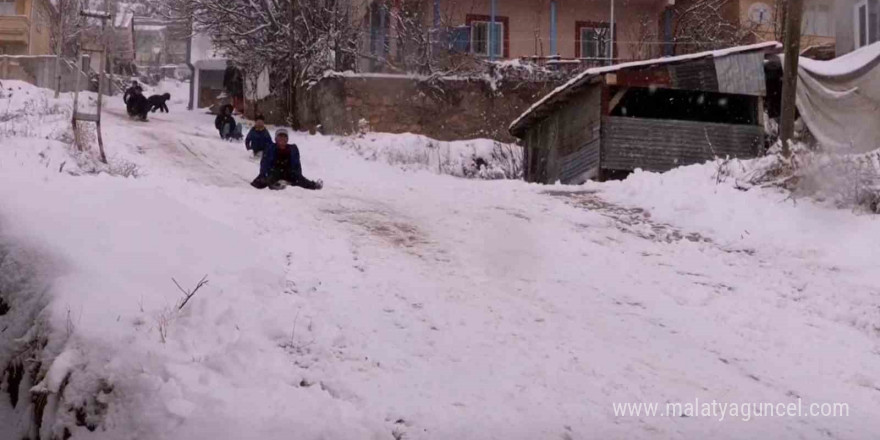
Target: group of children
{"type": "Point", "coordinates": [280, 164]}
{"type": "Point", "coordinates": [137, 105]}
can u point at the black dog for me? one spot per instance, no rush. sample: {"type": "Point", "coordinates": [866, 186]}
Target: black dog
{"type": "Point", "coordinates": [158, 102]}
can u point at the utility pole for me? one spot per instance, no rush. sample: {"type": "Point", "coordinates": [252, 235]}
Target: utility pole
{"type": "Point", "coordinates": [611, 37]}
{"type": "Point", "coordinates": [793, 14]}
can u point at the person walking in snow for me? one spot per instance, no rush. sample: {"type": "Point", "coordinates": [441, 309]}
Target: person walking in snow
{"type": "Point", "coordinates": [258, 139]}
{"type": "Point", "coordinates": [226, 124]}
{"type": "Point", "coordinates": [280, 164]}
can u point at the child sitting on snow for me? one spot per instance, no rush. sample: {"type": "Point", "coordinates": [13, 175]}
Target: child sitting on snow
{"type": "Point", "coordinates": [258, 139]}
{"type": "Point", "coordinates": [226, 124]}
{"type": "Point", "coordinates": [281, 164]}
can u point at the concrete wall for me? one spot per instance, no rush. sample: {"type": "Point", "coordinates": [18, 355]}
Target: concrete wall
{"type": "Point", "coordinates": [40, 71]}
{"type": "Point", "coordinates": [40, 37]}
{"type": "Point", "coordinates": [444, 110]}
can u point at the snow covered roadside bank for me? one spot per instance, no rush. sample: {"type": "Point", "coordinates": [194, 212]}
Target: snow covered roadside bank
{"type": "Point", "coordinates": [831, 251]}
{"type": "Point", "coordinates": [110, 323]}
{"type": "Point", "coordinates": [478, 158]}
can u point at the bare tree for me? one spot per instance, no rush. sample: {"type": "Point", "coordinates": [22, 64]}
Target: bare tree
{"type": "Point", "coordinates": [641, 39]}
{"type": "Point", "coordinates": [709, 24]}
{"type": "Point", "coordinates": [299, 38]}
{"type": "Point", "coordinates": [65, 31]}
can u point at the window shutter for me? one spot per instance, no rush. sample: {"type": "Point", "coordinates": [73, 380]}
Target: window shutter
{"type": "Point", "coordinates": [460, 38]}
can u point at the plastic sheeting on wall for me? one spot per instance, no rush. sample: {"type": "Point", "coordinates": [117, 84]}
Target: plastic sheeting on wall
{"type": "Point", "coordinates": [839, 100]}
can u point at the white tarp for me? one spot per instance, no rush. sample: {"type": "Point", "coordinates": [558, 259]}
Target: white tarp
{"type": "Point", "coordinates": [257, 86]}
{"type": "Point", "coordinates": [839, 100]}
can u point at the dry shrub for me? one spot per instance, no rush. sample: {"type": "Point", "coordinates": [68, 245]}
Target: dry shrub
{"type": "Point", "coordinates": [845, 180]}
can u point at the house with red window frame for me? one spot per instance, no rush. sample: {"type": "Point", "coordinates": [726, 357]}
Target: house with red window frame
{"type": "Point", "coordinates": [543, 29]}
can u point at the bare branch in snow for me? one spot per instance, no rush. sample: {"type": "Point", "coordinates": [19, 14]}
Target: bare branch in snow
{"type": "Point", "coordinates": [189, 294]}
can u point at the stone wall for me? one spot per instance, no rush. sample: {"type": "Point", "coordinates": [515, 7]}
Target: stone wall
{"type": "Point", "coordinates": [443, 109]}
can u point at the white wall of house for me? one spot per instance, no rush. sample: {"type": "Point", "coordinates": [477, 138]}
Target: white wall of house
{"type": "Point", "coordinates": [204, 58]}
{"type": "Point", "coordinates": [857, 24]}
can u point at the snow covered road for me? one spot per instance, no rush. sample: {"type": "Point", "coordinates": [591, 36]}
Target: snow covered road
{"type": "Point", "coordinates": [411, 305]}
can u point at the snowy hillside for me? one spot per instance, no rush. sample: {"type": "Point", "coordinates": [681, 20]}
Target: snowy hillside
{"type": "Point", "coordinates": [402, 303]}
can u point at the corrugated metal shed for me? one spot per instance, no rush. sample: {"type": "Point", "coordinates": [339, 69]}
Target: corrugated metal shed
{"type": "Point", "coordinates": [630, 143]}
{"type": "Point", "coordinates": [541, 108]}
{"type": "Point", "coordinates": [742, 74]}
{"type": "Point", "coordinates": [653, 115]}
{"type": "Point", "coordinates": [695, 75]}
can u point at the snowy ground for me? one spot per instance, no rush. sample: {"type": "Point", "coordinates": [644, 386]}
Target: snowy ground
{"type": "Point", "coordinates": [401, 304]}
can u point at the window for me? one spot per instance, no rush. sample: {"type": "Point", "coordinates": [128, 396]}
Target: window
{"type": "Point", "coordinates": [379, 19]}
{"type": "Point", "coordinates": [866, 23]}
{"type": "Point", "coordinates": [817, 20]}
{"type": "Point", "coordinates": [593, 39]}
{"type": "Point", "coordinates": [7, 7]}
{"type": "Point", "coordinates": [480, 38]}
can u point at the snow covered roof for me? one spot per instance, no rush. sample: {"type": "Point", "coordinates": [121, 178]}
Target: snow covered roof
{"type": "Point", "coordinates": [561, 92]}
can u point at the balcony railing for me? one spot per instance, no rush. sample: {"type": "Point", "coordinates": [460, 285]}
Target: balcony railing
{"type": "Point", "coordinates": [14, 28]}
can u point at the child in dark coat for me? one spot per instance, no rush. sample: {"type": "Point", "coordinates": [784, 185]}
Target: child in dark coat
{"type": "Point", "coordinates": [226, 124]}
{"type": "Point", "coordinates": [281, 163]}
{"type": "Point", "coordinates": [258, 139]}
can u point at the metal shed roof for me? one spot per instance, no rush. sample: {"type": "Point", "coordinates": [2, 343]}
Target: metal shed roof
{"type": "Point", "coordinates": [539, 108]}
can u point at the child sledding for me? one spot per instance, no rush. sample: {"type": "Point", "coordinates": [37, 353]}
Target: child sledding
{"type": "Point", "coordinates": [138, 106]}
{"type": "Point", "coordinates": [281, 166]}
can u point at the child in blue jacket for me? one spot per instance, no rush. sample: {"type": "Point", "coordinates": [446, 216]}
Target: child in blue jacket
{"type": "Point", "coordinates": [258, 139]}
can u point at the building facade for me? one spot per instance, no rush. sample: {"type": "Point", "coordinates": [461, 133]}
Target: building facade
{"type": "Point", "coordinates": [25, 27]}
{"type": "Point", "coordinates": [586, 30]}
{"type": "Point", "coordinates": [818, 25]}
{"type": "Point", "coordinates": [857, 24]}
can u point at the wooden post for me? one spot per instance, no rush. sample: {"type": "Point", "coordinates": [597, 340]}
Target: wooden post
{"type": "Point", "coordinates": [76, 102]}
{"type": "Point", "coordinates": [59, 50]}
{"type": "Point", "coordinates": [101, 78]}
{"type": "Point", "coordinates": [790, 72]}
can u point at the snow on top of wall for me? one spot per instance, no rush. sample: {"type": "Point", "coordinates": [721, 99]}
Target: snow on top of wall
{"type": "Point", "coordinates": [589, 73]}
{"type": "Point", "coordinates": [150, 27]}
{"type": "Point", "coordinates": [350, 74]}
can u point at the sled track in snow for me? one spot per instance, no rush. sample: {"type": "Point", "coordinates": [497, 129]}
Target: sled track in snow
{"type": "Point", "coordinates": [636, 221]}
